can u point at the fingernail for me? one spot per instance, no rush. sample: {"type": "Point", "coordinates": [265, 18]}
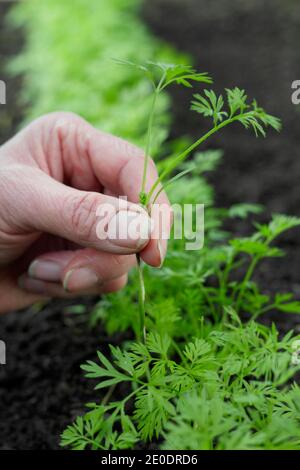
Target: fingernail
{"type": "Point", "coordinates": [45, 270]}
{"type": "Point", "coordinates": [129, 229]}
{"type": "Point", "coordinates": [32, 285]}
{"type": "Point", "coordinates": [80, 279]}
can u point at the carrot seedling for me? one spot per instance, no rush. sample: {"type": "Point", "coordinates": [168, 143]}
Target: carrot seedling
{"type": "Point", "coordinates": [209, 105]}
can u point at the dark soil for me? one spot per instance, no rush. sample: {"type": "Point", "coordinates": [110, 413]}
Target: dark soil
{"type": "Point", "coordinates": [42, 388]}
{"type": "Point", "coordinates": [251, 44]}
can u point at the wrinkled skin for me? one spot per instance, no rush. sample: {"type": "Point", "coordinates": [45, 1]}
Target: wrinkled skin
{"type": "Point", "coordinates": [53, 176]}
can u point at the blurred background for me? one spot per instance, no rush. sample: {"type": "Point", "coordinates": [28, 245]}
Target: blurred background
{"type": "Point", "coordinates": [57, 55]}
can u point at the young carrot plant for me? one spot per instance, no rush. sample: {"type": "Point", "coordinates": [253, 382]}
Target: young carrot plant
{"type": "Point", "coordinates": [196, 376]}
{"type": "Point", "coordinates": [210, 105]}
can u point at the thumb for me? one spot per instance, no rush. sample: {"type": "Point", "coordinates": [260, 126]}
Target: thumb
{"type": "Point", "coordinates": [89, 219]}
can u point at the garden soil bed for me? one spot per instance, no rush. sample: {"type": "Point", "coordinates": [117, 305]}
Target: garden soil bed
{"type": "Point", "coordinates": [249, 44]}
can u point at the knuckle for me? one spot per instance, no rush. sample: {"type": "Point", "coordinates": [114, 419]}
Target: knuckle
{"type": "Point", "coordinates": [66, 123]}
{"type": "Point", "coordinates": [129, 150]}
{"type": "Point", "coordinates": [55, 120]}
{"type": "Point", "coordinates": [66, 116]}
{"type": "Point", "coordinates": [81, 212]}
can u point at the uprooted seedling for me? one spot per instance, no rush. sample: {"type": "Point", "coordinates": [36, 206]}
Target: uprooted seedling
{"type": "Point", "coordinates": [210, 105]}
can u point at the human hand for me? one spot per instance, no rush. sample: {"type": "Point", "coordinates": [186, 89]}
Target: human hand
{"type": "Point", "coordinates": [54, 176]}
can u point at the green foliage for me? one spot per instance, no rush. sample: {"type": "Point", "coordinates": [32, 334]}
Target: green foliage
{"type": "Point", "coordinates": [278, 225]}
{"type": "Point", "coordinates": [206, 421]}
{"type": "Point", "coordinates": [204, 379]}
{"type": "Point", "coordinates": [226, 390]}
{"type": "Point", "coordinates": [212, 106]}
{"type": "Point", "coordinates": [249, 115]}
{"type": "Point", "coordinates": [162, 75]}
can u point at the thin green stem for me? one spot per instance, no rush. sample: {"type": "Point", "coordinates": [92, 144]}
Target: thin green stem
{"type": "Point", "coordinates": [109, 393]}
{"type": "Point", "coordinates": [149, 140]}
{"type": "Point", "coordinates": [156, 92]}
{"type": "Point", "coordinates": [209, 302]}
{"type": "Point", "coordinates": [143, 197]}
{"type": "Point", "coordinates": [93, 443]}
{"type": "Point", "coordinates": [142, 311]}
{"type": "Point", "coordinates": [179, 352]}
{"type": "Point", "coordinates": [126, 399]}
{"type": "Point", "coordinates": [262, 311]}
{"type": "Point", "coordinates": [246, 279]}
